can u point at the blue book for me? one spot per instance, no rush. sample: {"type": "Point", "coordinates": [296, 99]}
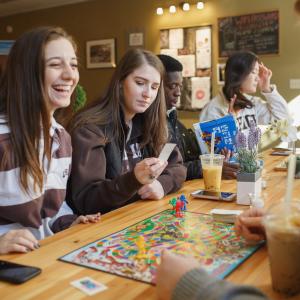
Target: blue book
{"type": "Point", "coordinates": [225, 131]}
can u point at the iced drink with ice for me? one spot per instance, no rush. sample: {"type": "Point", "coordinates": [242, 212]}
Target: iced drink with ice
{"type": "Point", "coordinates": [212, 171]}
{"type": "Point", "coordinates": [282, 224]}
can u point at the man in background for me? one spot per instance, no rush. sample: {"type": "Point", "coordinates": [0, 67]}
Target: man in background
{"type": "Point", "coordinates": [179, 134]}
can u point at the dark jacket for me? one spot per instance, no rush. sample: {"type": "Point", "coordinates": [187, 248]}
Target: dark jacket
{"type": "Point", "coordinates": [187, 144]}
{"type": "Point", "coordinates": [97, 183]}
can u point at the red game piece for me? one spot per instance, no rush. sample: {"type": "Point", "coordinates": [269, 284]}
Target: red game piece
{"type": "Point", "coordinates": [178, 207]}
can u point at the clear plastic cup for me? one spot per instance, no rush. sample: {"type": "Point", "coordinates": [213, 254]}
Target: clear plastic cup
{"type": "Point", "coordinates": [282, 223]}
{"type": "Point", "coordinates": [212, 171]}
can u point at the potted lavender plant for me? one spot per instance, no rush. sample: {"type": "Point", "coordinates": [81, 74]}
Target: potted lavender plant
{"type": "Point", "coordinates": [249, 176]}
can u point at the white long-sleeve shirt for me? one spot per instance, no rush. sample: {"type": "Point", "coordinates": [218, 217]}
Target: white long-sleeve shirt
{"type": "Point", "coordinates": [262, 113]}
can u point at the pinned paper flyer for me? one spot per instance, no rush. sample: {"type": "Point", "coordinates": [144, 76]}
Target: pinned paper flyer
{"type": "Point", "coordinates": [200, 91]}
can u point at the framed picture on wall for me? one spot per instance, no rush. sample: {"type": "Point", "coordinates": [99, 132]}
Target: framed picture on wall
{"type": "Point", "coordinates": [136, 39]}
{"type": "Point", "coordinates": [220, 73]}
{"type": "Point", "coordinates": [5, 46]}
{"type": "Point", "coordinates": [100, 54]}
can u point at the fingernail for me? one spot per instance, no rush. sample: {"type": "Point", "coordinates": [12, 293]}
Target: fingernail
{"type": "Point", "coordinates": [37, 246]}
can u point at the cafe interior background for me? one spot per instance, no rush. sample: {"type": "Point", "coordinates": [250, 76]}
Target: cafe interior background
{"type": "Point", "coordinates": [136, 23]}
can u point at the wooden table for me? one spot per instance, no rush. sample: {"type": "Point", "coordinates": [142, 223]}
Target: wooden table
{"type": "Point", "coordinates": [54, 282]}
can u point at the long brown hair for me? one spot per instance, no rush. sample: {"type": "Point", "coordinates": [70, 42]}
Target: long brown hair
{"type": "Point", "coordinates": [238, 67]}
{"type": "Point", "coordinates": [22, 101]}
{"type": "Point", "coordinates": [108, 109]}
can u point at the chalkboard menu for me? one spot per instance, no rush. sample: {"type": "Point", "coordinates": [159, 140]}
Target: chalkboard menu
{"type": "Point", "coordinates": [254, 32]}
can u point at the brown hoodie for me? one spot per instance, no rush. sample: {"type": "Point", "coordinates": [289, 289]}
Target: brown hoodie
{"type": "Point", "coordinates": [97, 182]}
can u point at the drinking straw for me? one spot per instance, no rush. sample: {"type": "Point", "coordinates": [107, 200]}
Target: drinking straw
{"type": "Point", "coordinates": [212, 147]}
{"type": "Point", "coordinates": [290, 178]}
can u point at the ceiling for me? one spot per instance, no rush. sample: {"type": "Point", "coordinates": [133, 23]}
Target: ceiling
{"type": "Point", "coordinates": [12, 7]}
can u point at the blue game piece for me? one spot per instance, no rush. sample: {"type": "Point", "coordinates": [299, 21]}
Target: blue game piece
{"type": "Point", "coordinates": [184, 202]}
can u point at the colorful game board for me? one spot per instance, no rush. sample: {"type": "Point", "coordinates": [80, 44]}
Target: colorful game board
{"type": "Point", "coordinates": [215, 245]}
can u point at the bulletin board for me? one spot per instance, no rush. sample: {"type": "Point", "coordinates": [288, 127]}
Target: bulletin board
{"type": "Point", "coordinates": [192, 46]}
{"type": "Point", "coordinates": [258, 33]}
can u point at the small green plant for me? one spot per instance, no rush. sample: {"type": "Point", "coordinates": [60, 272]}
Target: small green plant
{"type": "Point", "coordinates": [80, 99]}
{"type": "Point", "coordinates": [247, 149]}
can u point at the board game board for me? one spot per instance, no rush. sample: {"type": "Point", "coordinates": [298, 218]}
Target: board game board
{"type": "Point", "coordinates": [215, 245]}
